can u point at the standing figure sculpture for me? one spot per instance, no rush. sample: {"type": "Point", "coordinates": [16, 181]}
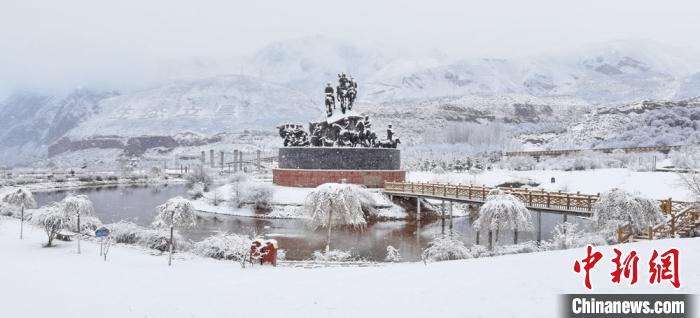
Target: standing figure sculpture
{"type": "Point", "coordinates": [330, 100]}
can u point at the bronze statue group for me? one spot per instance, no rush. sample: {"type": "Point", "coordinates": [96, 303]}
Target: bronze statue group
{"type": "Point", "coordinates": [345, 93]}
{"type": "Point", "coordinates": [349, 131]}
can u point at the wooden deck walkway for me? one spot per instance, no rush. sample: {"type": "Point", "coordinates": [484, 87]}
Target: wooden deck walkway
{"type": "Point", "coordinates": [576, 204]}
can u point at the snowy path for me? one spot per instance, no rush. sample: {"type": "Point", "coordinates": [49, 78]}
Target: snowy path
{"type": "Point", "coordinates": [56, 282]}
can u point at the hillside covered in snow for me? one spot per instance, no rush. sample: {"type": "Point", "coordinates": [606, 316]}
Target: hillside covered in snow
{"type": "Point", "coordinates": [574, 99]}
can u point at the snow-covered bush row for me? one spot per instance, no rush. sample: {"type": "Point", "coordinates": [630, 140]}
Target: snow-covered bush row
{"type": "Point", "coordinates": [445, 249]}
{"type": "Point", "coordinates": [343, 202]}
{"type": "Point", "coordinates": [129, 233]}
{"type": "Point", "coordinates": [618, 207]}
{"type": "Point", "coordinates": [568, 235]}
{"type": "Point", "coordinates": [332, 256]}
{"type": "Point", "coordinates": [225, 246]}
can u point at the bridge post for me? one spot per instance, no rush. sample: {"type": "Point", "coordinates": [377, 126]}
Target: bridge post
{"type": "Point", "coordinates": [418, 208]}
{"type": "Point", "coordinates": [240, 161]}
{"type": "Point", "coordinates": [539, 225]}
{"type": "Point", "coordinates": [222, 159]}
{"type": "Point", "coordinates": [450, 217]}
{"type": "Point", "coordinates": [235, 158]}
{"type": "Point", "coordinates": [442, 212]}
{"type": "Point", "coordinates": [418, 223]}
{"type": "Point", "coordinates": [257, 159]}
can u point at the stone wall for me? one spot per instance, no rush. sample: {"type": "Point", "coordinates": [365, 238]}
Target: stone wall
{"type": "Point", "coordinates": [312, 178]}
{"type": "Point", "coordinates": [339, 158]}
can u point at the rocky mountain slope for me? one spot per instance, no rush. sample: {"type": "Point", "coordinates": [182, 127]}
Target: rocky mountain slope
{"type": "Point", "coordinates": [548, 100]}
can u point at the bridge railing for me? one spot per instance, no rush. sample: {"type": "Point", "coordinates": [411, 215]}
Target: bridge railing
{"type": "Point", "coordinates": [532, 198]}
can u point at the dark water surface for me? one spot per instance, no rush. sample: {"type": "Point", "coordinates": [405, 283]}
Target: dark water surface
{"type": "Point", "coordinates": [137, 204]}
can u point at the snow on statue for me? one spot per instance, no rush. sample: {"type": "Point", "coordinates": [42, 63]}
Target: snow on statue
{"type": "Point", "coordinates": [177, 212]}
{"type": "Point", "coordinates": [503, 211]}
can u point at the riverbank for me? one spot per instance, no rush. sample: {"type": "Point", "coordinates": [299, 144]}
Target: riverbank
{"type": "Point", "coordinates": [43, 282]}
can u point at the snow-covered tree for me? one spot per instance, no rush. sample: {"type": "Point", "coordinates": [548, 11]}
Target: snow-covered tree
{"type": "Point", "coordinates": [196, 191]}
{"type": "Point", "coordinates": [126, 232]}
{"type": "Point", "coordinates": [392, 254]}
{"type": "Point", "coordinates": [503, 211]}
{"type": "Point", "coordinates": [81, 213]}
{"type": "Point", "coordinates": [52, 220]}
{"type": "Point", "coordinates": [334, 204]}
{"type": "Point", "coordinates": [177, 212]}
{"type": "Point", "coordinates": [198, 175]}
{"type": "Point", "coordinates": [258, 194]}
{"type": "Point", "coordinates": [79, 208]}
{"type": "Point", "coordinates": [619, 207]}
{"type": "Point", "coordinates": [20, 197]}
{"type": "Point", "coordinates": [689, 159]}
{"type": "Point", "coordinates": [444, 249]}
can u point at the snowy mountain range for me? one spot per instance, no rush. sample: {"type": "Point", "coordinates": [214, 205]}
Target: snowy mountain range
{"type": "Point", "coordinates": [283, 82]}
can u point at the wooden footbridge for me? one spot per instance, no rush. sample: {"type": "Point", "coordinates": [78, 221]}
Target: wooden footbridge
{"type": "Point", "coordinates": [682, 216]}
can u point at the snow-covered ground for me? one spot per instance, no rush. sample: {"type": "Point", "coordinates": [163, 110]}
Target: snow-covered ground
{"type": "Point", "coordinates": [57, 282]}
{"type": "Point", "coordinates": [656, 185]}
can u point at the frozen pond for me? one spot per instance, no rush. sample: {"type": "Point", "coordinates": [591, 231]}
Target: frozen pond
{"type": "Point", "coordinates": [138, 204]}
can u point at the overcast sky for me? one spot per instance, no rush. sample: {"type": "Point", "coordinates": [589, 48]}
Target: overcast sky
{"type": "Point", "coordinates": [125, 43]}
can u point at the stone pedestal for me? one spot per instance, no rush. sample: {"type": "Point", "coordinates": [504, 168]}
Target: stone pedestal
{"type": "Point", "coordinates": [313, 166]}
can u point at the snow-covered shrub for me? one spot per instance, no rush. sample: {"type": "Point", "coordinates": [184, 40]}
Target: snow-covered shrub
{"type": "Point", "coordinates": [521, 163]}
{"type": "Point", "coordinates": [525, 247]}
{"type": "Point", "coordinates": [340, 201]}
{"type": "Point", "coordinates": [127, 232]}
{"type": "Point", "coordinates": [618, 207]}
{"type": "Point", "coordinates": [19, 197]}
{"type": "Point", "coordinates": [238, 178]}
{"type": "Point", "coordinates": [438, 170]}
{"type": "Point", "coordinates": [445, 249]}
{"type": "Point", "coordinates": [258, 194]}
{"type": "Point", "coordinates": [7, 209]}
{"type": "Point", "coordinates": [332, 256]}
{"type": "Point", "coordinates": [503, 211]}
{"type": "Point", "coordinates": [198, 176]}
{"type": "Point", "coordinates": [80, 205]}
{"type": "Point", "coordinates": [52, 220]}
{"type": "Point", "coordinates": [196, 191]}
{"type": "Point", "coordinates": [225, 246]}
{"type": "Point", "coordinates": [392, 254]}
{"type": "Point", "coordinates": [159, 239]}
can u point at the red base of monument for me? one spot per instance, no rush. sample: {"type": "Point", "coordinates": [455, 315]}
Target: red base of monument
{"type": "Point", "coordinates": [312, 178]}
